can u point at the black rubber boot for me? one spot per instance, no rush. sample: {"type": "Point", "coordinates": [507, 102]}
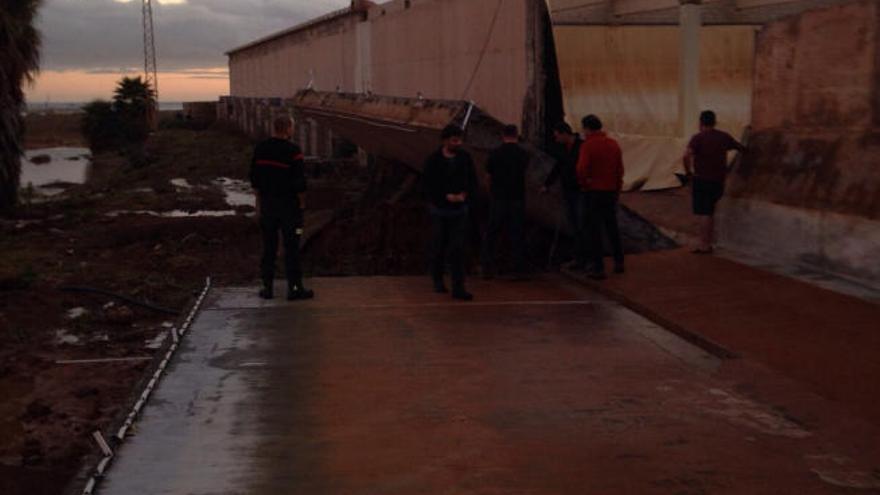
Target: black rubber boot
{"type": "Point", "coordinates": [440, 287]}
{"type": "Point", "coordinates": [461, 294]}
{"type": "Point", "coordinates": [267, 292]}
{"type": "Point", "coordinates": [299, 293]}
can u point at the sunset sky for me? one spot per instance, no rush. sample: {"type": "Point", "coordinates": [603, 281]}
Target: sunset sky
{"type": "Point", "coordinates": [89, 44]}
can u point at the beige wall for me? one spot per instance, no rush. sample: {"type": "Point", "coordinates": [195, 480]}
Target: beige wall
{"type": "Point", "coordinates": [283, 66]}
{"type": "Point", "coordinates": [432, 48]}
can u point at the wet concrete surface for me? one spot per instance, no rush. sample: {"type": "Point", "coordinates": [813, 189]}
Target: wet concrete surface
{"type": "Point", "coordinates": [380, 386]}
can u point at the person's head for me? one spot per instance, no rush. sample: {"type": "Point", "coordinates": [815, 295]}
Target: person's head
{"type": "Point", "coordinates": [591, 124]}
{"type": "Point", "coordinates": [452, 137]}
{"type": "Point", "coordinates": [282, 127]}
{"type": "Point", "coordinates": [510, 134]}
{"type": "Point", "coordinates": [562, 133]}
{"type": "Point", "coordinates": [708, 120]}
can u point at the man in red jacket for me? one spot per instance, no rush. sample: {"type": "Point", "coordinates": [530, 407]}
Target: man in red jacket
{"type": "Point", "coordinates": [600, 176]}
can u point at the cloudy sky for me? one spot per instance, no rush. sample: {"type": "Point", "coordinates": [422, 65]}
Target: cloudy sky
{"type": "Point", "coordinates": [89, 44]}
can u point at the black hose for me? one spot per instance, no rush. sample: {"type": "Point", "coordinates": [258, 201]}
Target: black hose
{"type": "Point", "coordinates": [133, 302]}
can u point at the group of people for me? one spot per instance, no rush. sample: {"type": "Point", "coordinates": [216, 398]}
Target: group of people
{"type": "Point", "coordinates": [591, 174]}
{"type": "Point", "coordinates": [588, 167]}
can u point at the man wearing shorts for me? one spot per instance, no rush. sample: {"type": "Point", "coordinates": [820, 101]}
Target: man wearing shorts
{"type": "Point", "coordinates": [706, 163]}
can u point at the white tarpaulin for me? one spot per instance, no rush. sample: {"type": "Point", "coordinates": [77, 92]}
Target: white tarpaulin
{"type": "Point", "coordinates": [628, 76]}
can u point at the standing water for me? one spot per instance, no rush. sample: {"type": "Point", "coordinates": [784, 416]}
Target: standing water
{"type": "Point", "coordinates": [54, 166]}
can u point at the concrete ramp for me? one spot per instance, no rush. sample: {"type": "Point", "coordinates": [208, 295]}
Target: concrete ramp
{"type": "Point", "coordinates": [380, 386]}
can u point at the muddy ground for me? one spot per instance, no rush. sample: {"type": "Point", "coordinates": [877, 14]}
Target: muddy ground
{"type": "Point", "coordinates": [96, 236]}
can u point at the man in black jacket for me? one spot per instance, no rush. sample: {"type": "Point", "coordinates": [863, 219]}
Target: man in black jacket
{"type": "Point", "coordinates": [507, 179]}
{"type": "Point", "coordinates": [450, 184]}
{"type": "Point", "coordinates": [566, 153]}
{"type": "Point", "coordinates": [278, 176]}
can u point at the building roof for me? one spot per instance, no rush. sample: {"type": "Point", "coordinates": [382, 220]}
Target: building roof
{"type": "Point", "coordinates": [357, 7]}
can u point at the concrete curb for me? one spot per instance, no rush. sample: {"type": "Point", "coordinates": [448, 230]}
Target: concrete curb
{"type": "Point", "coordinates": [95, 467]}
{"type": "Point", "coordinates": [694, 338]}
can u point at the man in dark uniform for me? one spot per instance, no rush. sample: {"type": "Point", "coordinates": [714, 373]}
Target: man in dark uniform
{"type": "Point", "coordinates": [507, 180]}
{"type": "Point", "coordinates": [278, 176]}
{"type": "Point", "coordinates": [566, 153]}
{"type": "Point", "coordinates": [450, 184]}
{"type": "Point", "coordinates": [706, 160]}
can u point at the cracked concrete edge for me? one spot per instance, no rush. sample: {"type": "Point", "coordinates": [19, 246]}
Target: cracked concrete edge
{"type": "Point", "coordinates": [690, 336]}
{"type": "Point", "coordinates": [94, 464]}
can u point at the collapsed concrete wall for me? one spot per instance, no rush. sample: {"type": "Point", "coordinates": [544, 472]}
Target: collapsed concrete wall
{"type": "Point", "coordinates": [809, 189]}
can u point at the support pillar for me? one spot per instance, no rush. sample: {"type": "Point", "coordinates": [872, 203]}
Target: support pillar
{"type": "Point", "coordinates": [689, 67]}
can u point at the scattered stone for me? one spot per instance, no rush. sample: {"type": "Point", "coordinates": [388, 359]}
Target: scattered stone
{"type": "Point", "coordinates": [62, 337]}
{"type": "Point", "coordinates": [77, 313]}
{"type": "Point", "coordinates": [156, 343]}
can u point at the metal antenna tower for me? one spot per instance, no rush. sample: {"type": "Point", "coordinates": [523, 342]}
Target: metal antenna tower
{"type": "Point", "coordinates": [150, 72]}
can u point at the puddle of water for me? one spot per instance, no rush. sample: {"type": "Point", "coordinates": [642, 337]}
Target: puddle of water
{"type": "Point", "coordinates": [238, 192]}
{"type": "Point", "coordinates": [69, 165]}
{"type": "Point", "coordinates": [175, 213]}
{"type": "Point", "coordinates": [181, 183]}
{"type": "Point", "coordinates": [745, 412]}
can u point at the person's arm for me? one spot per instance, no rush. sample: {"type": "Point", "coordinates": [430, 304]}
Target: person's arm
{"type": "Point", "coordinates": [298, 168]}
{"type": "Point", "coordinates": [433, 190]}
{"type": "Point", "coordinates": [619, 170]}
{"type": "Point", "coordinates": [491, 167]}
{"type": "Point", "coordinates": [583, 166]}
{"type": "Point", "coordinates": [733, 144]}
{"type": "Point", "coordinates": [472, 182]}
{"type": "Point", "coordinates": [688, 158]}
{"type": "Point", "coordinates": [252, 175]}
{"type": "Point", "coordinates": [688, 161]}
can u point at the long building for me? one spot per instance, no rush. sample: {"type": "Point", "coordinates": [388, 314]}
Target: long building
{"type": "Point", "coordinates": [647, 67]}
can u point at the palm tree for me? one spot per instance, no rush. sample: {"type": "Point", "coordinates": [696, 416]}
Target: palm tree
{"type": "Point", "coordinates": [134, 102]}
{"type": "Point", "coordinates": [19, 62]}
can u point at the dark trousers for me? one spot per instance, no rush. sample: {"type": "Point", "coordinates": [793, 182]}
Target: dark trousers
{"type": "Point", "coordinates": [509, 216]}
{"type": "Point", "coordinates": [281, 216]}
{"type": "Point", "coordinates": [603, 225]}
{"type": "Point", "coordinates": [574, 211]}
{"type": "Point", "coordinates": [449, 237]}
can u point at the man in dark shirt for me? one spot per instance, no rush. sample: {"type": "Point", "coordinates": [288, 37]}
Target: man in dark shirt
{"type": "Point", "coordinates": [706, 161]}
{"type": "Point", "coordinates": [278, 176]}
{"type": "Point", "coordinates": [450, 184]}
{"type": "Point", "coordinates": [507, 180]}
{"type": "Point", "coordinates": [566, 152]}
{"type": "Point", "coordinates": [600, 175]}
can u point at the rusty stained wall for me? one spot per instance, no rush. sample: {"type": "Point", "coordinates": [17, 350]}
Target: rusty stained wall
{"type": "Point", "coordinates": [808, 190]}
{"type": "Point", "coordinates": [817, 138]}
{"type": "Point", "coordinates": [431, 47]}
